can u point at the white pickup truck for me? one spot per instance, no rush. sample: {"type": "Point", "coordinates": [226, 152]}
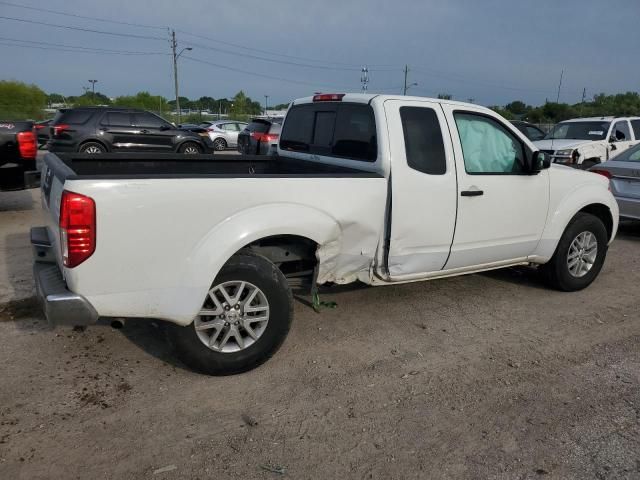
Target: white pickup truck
{"type": "Point", "coordinates": [373, 188]}
{"type": "Point", "coordinates": [585, 142]}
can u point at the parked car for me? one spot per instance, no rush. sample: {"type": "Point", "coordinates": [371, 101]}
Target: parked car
{"type": "Point", "coordinates": [95, 130]}
{"type": "Point", "coordinates": [224, 133]}
{"type": "Point", "coordinates": [623, 172]}
{"type": "Point", "coordinates": [530, 131]}
{"type": "Point", "coordinates": [42, 131]}
{"type": "Point", "coordinates": [585, 142]}
{"type": "Point", "coordinates": [260, 137]}
{"type": "Point", "coordinates": [377, 188]}
{"type": "Point", "coordinates": [18, 150]}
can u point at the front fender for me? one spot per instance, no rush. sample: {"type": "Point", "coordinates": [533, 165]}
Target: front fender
{"type": "Point", "coordinates": [565, 206]}
{"type": "Point", "coordinates": [592, 150]}
{"type": "Point", "coordinates": [237, 231]}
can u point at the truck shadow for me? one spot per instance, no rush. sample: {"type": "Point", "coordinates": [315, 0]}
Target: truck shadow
{"type": "Point", "coordinates": [151, 337]}
{"type": "Point", "coordinates": [525, 276]}
{"type": "Point", "coordinates": [629, 230]}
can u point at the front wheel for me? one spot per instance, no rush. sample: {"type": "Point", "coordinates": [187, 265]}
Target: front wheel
{"type": "Point", "coordinates": [190, 148]}
{"type": "Point", "coordinates": [219, 144]}
{"type": "Point", "coordinates": [243, 320]}
{"type": "Point", "coordinates": [580, 254]}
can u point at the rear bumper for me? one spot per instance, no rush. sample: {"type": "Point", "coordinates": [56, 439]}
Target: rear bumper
{"type": "Point", "coordinates": [60, 305]}
{"type": "Point", "coordinates": [629, 207]}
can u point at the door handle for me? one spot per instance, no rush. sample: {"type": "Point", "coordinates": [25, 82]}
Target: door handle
{"type": "Point", "coordinates": [471, 193]}
{"type": "Point", "coordinates": [144, 131]}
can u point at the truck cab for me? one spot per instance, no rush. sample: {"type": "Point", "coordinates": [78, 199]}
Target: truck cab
{"type": "Point", "coordinates": [585, 142]}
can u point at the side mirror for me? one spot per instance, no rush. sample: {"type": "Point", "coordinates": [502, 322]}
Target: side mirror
{"type": "Point", "coordinates": [612, 139]}
{"type": "Point", "coordinates": [540, 161]}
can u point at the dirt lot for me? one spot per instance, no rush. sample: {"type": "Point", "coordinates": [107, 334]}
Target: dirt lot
{"type": "Point", "coordinates": [483, 376]}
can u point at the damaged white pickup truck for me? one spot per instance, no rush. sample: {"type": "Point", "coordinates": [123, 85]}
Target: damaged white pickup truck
{"type": "Point", "coordinates": [376, 188]}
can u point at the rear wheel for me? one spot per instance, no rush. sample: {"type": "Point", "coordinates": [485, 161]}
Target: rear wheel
{"type": "Point", "coordinates": [190, 148]}
{"type": "Point", "coordinates": [219, 144]}
{"type": "Point", "coordinates": [580, 254]}
{"type": "Point", "coordinates": [92, 148]}
{"type": "Point", "coordinates": [243, 320]}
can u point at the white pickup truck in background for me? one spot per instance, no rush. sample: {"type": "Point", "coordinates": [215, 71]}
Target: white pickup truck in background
{"type": "Point", "coordinates": [376, 188]}
{"type": "Point", "coordinates": [585, 142]}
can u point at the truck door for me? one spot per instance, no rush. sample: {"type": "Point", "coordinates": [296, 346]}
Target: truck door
{"type": "Point", "coordinates": [422, 213]}
{"type": "Point", "coordinates": [501, 209]}
{"type": "Point", "coordinates": [623, 139]}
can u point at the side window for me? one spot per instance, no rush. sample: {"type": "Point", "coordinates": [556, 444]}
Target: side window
{"type": "Point", "coordinates": [117, 119]}
{"type": "Point", "coordinates": [621, 131]}
{"type": "Point", "coordinates": [229, 127]}
{"type": "Point", "coordinates": [147, 120]}
{"type": "Point", "coordinates": [636, 128]}
{"type": "Point", "coordinates": [423, 140]}
{"type": "Point", "coordinates": [487, 146]}
{"type": "Point", "coordinates": [534, 134]}
{"type": "Point", "coordinates": [75, 117]}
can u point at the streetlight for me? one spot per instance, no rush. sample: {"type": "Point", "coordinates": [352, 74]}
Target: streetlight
{"type": "Point", "coordinates": [266, 103]}
{"type": "Point", "coordinates": [174, 45]}
{"type": "Point", "coordinates": [414, 84]}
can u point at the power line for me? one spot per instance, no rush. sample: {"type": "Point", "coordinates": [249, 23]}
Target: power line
{"type": "Point", "coordinates": [263, 59]}
{"type": "Point", "coordinates": [67, 14]}
{"type": "Point", "coordinates": [280, 79]}
{"type": "Point", "coordinates": [101, 52]}
{"type": "Point", "coordinates": [95, 50]}
{"type": "Point", "coordinates": [276, 54]}
{"type": "Point", "coordinates": [130, 35]}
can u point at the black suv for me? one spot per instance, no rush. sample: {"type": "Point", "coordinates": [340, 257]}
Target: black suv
{"type": "Point", "coordinates": [107, 129]}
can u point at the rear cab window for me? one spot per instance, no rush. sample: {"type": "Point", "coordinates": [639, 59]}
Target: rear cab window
{"type": "Point", "coordinates": [333, 129]}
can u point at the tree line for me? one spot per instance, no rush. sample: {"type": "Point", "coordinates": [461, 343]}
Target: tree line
{"type": "Point", "coordinates": [22, 101]}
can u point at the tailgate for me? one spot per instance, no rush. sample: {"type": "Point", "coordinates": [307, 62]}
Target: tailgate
{"type": "Point", "coordinates": [54, 173]}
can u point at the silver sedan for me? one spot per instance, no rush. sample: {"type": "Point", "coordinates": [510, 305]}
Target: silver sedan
{"type": "Point", "coordinates": [224, 133]}
{"type": "Point", "coordinates": [623, 171]}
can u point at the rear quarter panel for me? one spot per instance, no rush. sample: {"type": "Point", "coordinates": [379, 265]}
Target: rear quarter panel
{"type": "Point", "coordinates": [161, 242]}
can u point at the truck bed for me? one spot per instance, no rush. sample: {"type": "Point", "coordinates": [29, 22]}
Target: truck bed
{"type": "Point", "coordinates": [153, 165]}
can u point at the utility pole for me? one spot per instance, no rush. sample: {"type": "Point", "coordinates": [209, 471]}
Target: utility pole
{"type": "Point", "coordinates": [560, 86]}
{"type": "Point", "coordinates": [266, 103]}
{"type": "Point", "coordinates": [174, 45]}
{"type": "Point", "coordinates": [406, 73]}
{"type": "Point", "coordinates": [93, 89]}
{"type": "Point", "coordinates": [584, 96]}
{"type": "Point", "coordinates": [364, 78]}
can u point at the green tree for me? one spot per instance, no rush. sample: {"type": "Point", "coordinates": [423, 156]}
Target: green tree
{"type": "Point", "coordinates": [517, 107]}
{"type": "Point", "coordinates": [445, 96]}
{"type": "Point", "coordinates": [144, 101]}
{"type": "Point", "coordinates": [21, 101]}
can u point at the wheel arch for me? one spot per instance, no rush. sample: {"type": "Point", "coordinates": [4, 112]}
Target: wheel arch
{"type": "Point", "coordinates": [182, 142]}
{"type": "Point", "coordinates": [259, 229]}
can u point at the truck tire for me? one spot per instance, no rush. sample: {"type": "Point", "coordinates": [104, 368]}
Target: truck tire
{"type": "Point", "coordinates": [243, 321]}
{"type": "Point", "coordinates": [190, 148]}
{"type": "Point", "coordinates": [579, 255]}
{"type": "Point", "coordinates": [92, 148]}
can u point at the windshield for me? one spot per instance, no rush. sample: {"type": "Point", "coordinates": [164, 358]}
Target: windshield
{"type": "Point", "coordinates": [579, 131]}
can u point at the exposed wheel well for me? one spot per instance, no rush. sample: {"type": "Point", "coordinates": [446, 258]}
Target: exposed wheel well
{"type": "Point", "coordinates": [603, 213]}
{"type": "Point", "coordinates": [93, 141]}
{"type": "Point", "coordinates": [294, 255]}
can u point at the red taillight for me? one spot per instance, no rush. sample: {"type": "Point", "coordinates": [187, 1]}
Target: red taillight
{"type": "Point", "coordinates": [604, 173]}
{"type": "Point", "coordinates": [39, 126]}
{"type": "Point", "coordinates": [58, 129]}
{"type": "Point", "coordinates": [269, 137]}
{"type": "Point", "coordinates": [27, 145]}
{"type": "Point", "coordinates": [328, 97]}
{"type": "Point", "coordinates": [77, 228]}
{"type": "Point", "coordinates": [256, 135]}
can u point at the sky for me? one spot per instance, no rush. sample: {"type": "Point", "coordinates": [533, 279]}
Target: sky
{"type": "Point", "coordinates": [491, 51]}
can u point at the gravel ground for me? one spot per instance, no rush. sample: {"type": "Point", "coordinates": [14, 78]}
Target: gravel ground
{"type": "Point", "coordinates": [483, 376]}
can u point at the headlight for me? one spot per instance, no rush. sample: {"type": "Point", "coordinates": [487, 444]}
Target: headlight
{"type": "Point", "coordinates": [564, 153]}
